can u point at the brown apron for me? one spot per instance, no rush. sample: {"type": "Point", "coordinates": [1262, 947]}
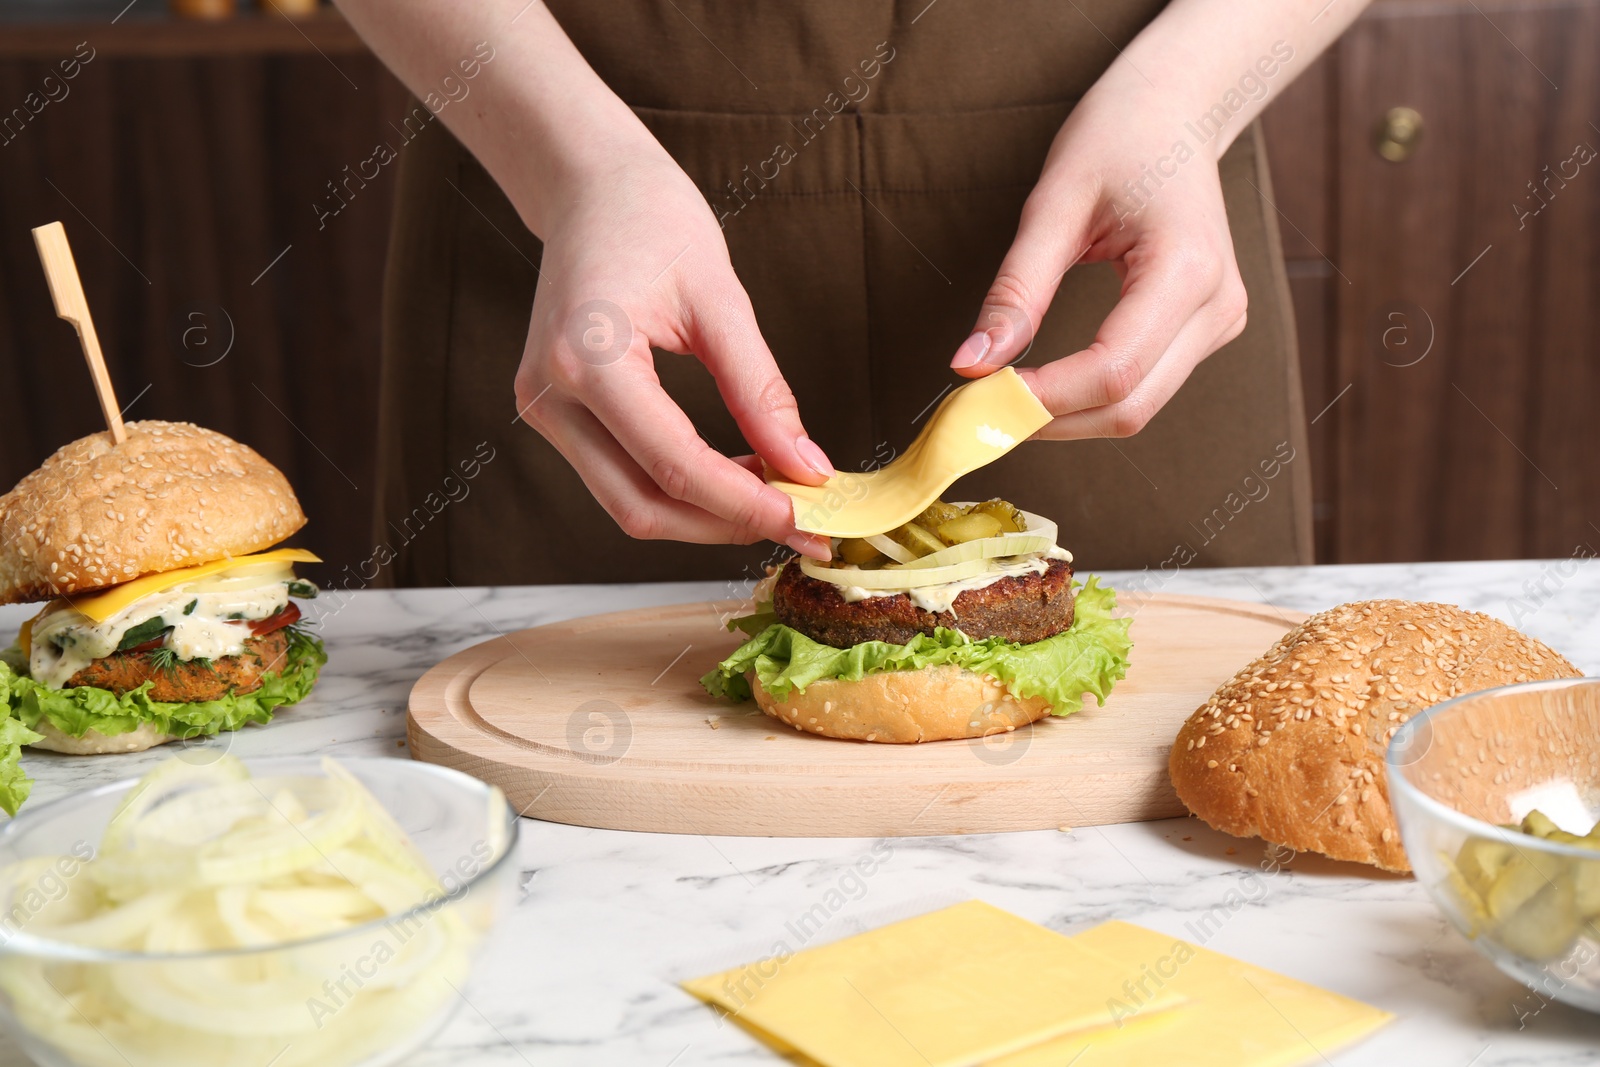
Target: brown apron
{"type": "Point", "coordinates": [866, 252]}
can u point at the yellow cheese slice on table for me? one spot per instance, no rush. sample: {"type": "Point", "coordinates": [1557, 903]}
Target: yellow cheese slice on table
{"type": "Point", "coordinates": [974, 426]}
{"type": "Point", "coordinates": [1235, 1015]}
{"type": "Point", "coordinates": [101, 606]}
{"type": "Point", "coordinates": [952, 988]}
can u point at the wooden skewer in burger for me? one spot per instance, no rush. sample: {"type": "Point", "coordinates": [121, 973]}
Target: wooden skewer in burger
{"type": "Point", "coordinates": [165, 618]}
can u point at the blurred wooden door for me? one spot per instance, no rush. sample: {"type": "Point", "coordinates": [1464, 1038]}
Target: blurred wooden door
{"type": "Point", "coordinates": [1449, 301]}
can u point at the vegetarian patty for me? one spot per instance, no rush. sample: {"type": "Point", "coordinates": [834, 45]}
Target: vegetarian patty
{"type": "Point", "coordinates": [188, 681]}
{"type": "Point", "coordinates": [1022, 609]}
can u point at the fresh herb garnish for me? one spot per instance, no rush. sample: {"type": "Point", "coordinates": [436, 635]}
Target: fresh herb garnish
{"type": "Point", "coordinates": [190, 609]}
{"type": "Point", "coordinates": [303, 589]}
{"type": "Point", "coordinates": [166, 660]}
{"type": "Point", "coordinates": [299, 636]}
{"type": "Point", "coordinates": [148, 630]}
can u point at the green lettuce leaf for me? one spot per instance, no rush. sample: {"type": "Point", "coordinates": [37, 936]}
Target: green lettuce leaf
{"type": "Point", "coordinates": [1089, 657]}
{"type": "Point", "coordinates": [25, 702]}
{"type": "Point", "coordinates": [15, 785]}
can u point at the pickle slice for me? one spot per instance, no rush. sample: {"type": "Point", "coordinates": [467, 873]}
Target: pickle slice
{"type": "Point", "coordinates": [936, 514]}
{"type": "Point", "coordinates": [916, 538]}
{"type": "Point", "coordinates": [1011, 520]}
{"type": "Point", "coordinates": [1586, 888]}
{"type": "Point", "coordinates": [1546, 925]}
{"type": "Point", "coordinates": [1521, 879]}
{"type": "Point", "coordinates": [1538, 824]}
{"type": "Point", "coordinates": [971, 527]}
{"type": "Point", "coordinates": [1533, 903]}
{"type": "Point", "coordinates": [856, 551]}
{"type": "Point", "coordinates": [1480, 862]}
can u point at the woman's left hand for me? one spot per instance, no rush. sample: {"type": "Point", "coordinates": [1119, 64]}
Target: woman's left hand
{"type": "Point", "coordinates": [1114, 188]}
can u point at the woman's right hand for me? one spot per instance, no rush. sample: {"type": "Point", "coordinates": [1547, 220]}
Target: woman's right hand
{"type": "Point", "coordinates": [635, 259]}
{"type": "Point", "coordinates": [632, 258]}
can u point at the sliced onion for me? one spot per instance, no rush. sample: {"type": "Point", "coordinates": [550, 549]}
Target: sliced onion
{"type": "Point", "coordinates": [274, 846]}
{"type": "Point", "coordinates": [1022, 544]}
{"type": "Point", "coordinates": [169, 777]}
{"type": "Point", "coordinates": [957, 563]}
{"type": "Point", "coordinates": [891, 548]}
{"type": "Point", "coordinates": [1040, 536]}
{"type": "Point", "coordinates": [244, 576]}
{"type": "Point", "coordinates": [894, 577]}
{"type": "Point", "coordinates": [122, 925]}
{"type": "Point", "coordinates": [202, 858]}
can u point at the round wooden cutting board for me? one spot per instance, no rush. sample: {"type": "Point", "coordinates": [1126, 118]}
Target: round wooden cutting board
{"type": "Point", "coordinates": [601, 721]}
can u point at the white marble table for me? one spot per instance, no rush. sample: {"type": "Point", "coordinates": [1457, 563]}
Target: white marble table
{"type": "Point", "coordinates": [584, 970]}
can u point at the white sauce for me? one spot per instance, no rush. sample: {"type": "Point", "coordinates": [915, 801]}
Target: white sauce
{"type": "Point", "coordinates": [65, 641]}
{"type": "Point", "coordinates": [939, 598]}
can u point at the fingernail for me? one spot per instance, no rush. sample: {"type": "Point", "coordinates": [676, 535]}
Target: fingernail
{"type": "Point", "coordinates": [815, 458]}
{"type": "Point", "coordinates": [971, 352]}
{"type": "Point", "coordinates": [811, 545]}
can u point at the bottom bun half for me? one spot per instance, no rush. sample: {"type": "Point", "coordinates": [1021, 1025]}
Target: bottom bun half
{"type": "Point", "coordinates": [904, 707]}
{"type": "Point", "coordinates": [95, 743]}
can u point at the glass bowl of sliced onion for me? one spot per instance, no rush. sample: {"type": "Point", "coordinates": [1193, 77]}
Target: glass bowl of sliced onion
{"type": "Point", "coordinates": [298, 912]}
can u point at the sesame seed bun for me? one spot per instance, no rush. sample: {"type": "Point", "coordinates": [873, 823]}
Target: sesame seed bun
{"type": "Point", "coordinates": [171, 495]}
{"type": "Point", "coordinates": [900, 707]}
{"type": "Point", "coordinates": [1291, 749]}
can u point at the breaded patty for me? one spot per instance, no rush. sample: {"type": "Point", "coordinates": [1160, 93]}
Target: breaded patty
{"type": "Point", "coordinates": [189, 681]}
{"type": "Point", "coordinates": [1022, 609]}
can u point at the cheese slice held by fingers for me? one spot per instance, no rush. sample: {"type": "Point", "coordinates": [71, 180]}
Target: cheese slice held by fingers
{"type": "Point", "coordinates": [974, 426]}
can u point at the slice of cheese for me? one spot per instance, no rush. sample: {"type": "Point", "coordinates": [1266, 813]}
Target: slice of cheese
{"type": "Point", "coordinates": [1236, 1015]}
{"type": "Point", "coordinates": [951, 988]}
{"type": "Point", "coordinates": [974, 426]}
{"type": "Point", "coordinates": [101, 606]}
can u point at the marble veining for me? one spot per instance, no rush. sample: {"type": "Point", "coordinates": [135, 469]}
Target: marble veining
{"type": "Point", "coordinates": [583, 970]}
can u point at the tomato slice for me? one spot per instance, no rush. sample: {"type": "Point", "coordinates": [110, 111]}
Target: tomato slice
{"type": "Point", "coordinates": [287, 617]}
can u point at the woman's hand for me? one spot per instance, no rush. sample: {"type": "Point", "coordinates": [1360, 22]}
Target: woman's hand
{"type": "Point", "coordinates": [1127, 180]}
{"type": "Point", "coordinates": [1182, 297]}
{"type": "Point", "coordinates": [632, 258]}
{"type": "Point", "coordinates": [637, 260]}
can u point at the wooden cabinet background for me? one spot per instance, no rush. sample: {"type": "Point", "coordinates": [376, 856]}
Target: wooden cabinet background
{"type": "Point", "coordinates": [1448, 315]}
{"type": "Point", "coordinates": [1448, 343]}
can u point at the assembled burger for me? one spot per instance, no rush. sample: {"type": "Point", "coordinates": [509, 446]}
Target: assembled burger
{"type": "Point", "coordinates": [964, 622]}
{"type": "Point", "coordinates": [164, 618]}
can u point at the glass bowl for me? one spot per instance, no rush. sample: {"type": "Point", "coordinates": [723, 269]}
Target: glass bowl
{"type": "Point", "coordinates": [367, 995]}
{"type": "Point", "coordinates": [1462, 770]}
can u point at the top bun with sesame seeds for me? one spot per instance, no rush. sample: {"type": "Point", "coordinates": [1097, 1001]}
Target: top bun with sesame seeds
{"type": "Point", "coordinates": [171, 495]}
{"type": "Point", "coordinates": [1291, 749]}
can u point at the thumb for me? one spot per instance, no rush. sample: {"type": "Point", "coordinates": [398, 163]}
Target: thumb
{"type": "Point", "coordinates": [1047, 243]}
{"type": "Point", "coordinates": [728, 342]}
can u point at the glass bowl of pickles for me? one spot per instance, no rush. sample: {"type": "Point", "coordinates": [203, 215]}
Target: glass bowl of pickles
{"type": "Point", "coordinates": [1497, 795]}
